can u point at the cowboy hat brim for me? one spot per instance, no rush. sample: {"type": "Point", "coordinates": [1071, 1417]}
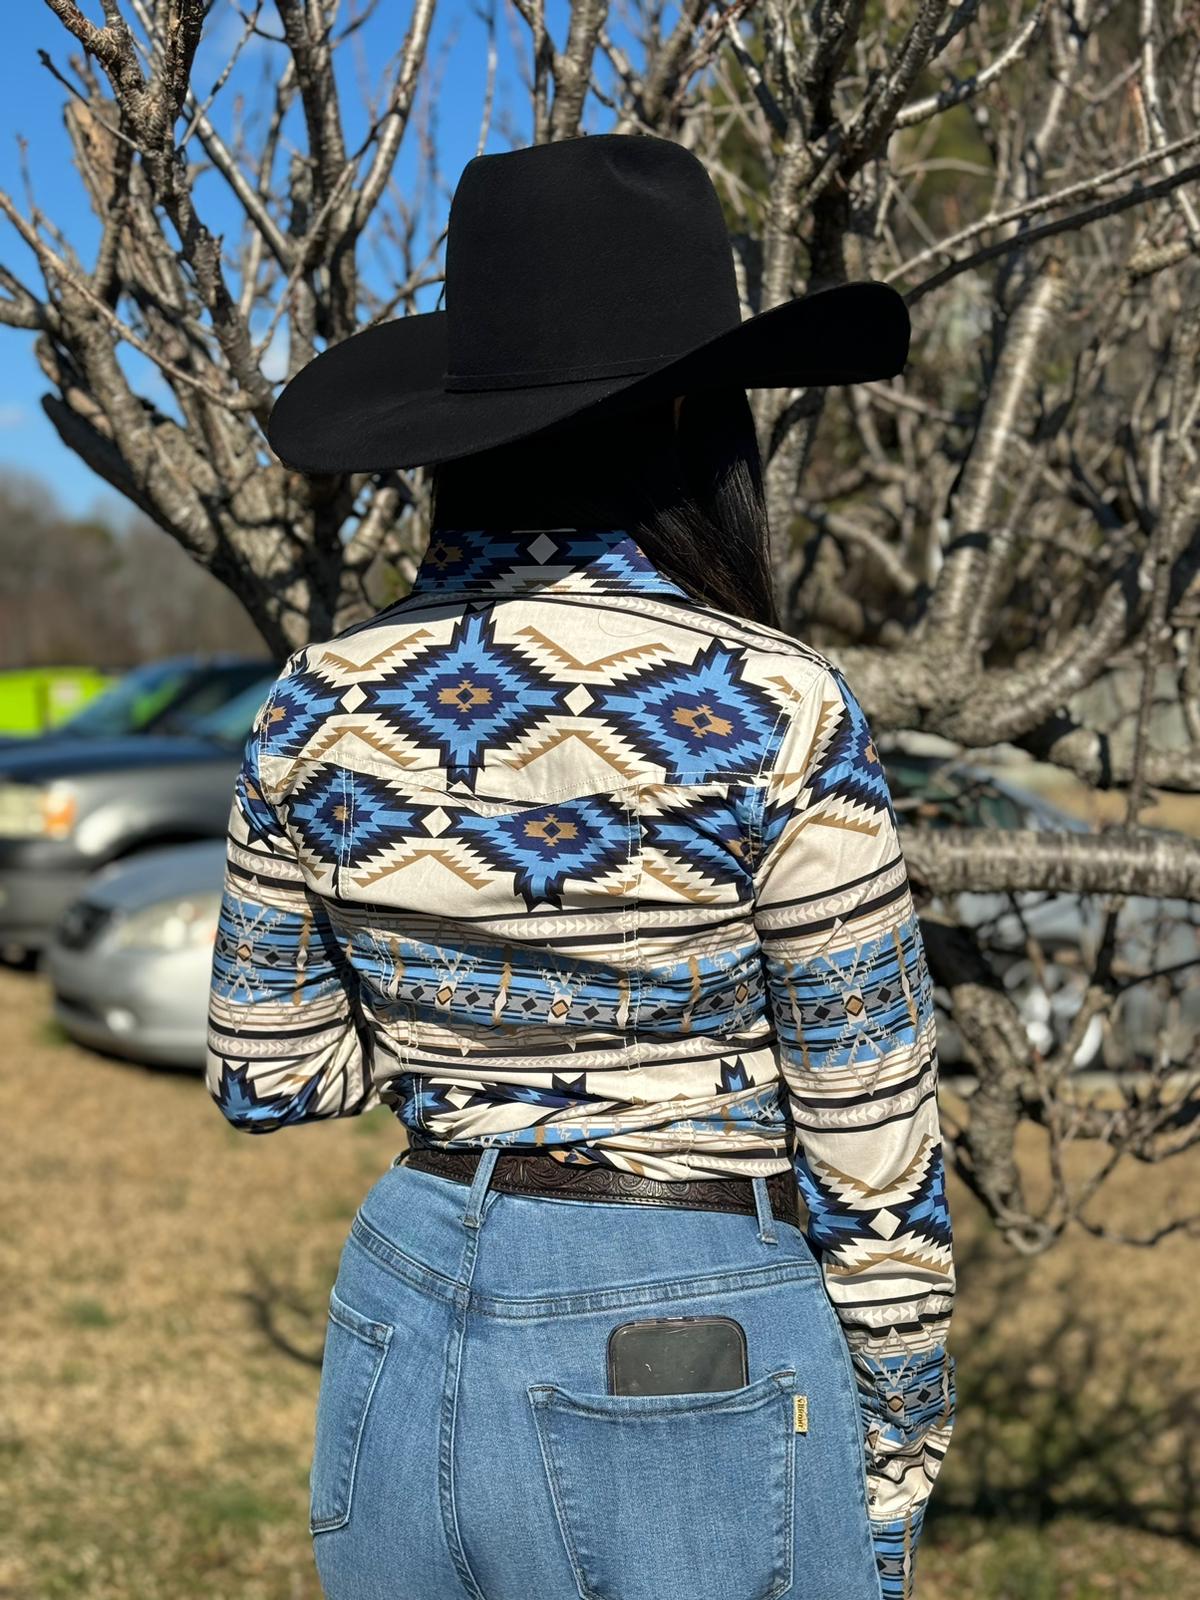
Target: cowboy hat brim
{"type": "Point", "coordinates": [376, 400]}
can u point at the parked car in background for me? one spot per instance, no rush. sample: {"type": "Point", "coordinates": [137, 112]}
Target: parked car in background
{"type": "Point", "coordinates": [131, 960]}
{"type": "Point", "coordinates": [68, 808]}
{"type": "Point", "coordinates": [129, 963]}
{"type": "Point", "coordinates": [162, 696]}
{"type": "Point", "coordinates": [35, 699]}
{"type": "Point", "coordinates": [1043, 944]}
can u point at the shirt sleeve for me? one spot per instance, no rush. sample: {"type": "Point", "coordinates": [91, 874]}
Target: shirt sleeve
{"type": "Point", "coordinates": [851, 998]}
{"type": "Point", "coordinates": [287, 1041]}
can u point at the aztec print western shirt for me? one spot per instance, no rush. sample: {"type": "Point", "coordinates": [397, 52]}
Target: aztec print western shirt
{"type": "Point", "coordinates": [549, 855]}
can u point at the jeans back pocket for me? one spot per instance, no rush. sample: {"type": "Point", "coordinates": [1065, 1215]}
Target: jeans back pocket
{"type": "Point", "coordinates": [355, 1347]}
{"type": "Point", "coordinates": [676, 1496]}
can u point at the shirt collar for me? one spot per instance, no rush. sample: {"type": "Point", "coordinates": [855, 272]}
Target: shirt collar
{"type": "Point", "coordinates": [561, 560]}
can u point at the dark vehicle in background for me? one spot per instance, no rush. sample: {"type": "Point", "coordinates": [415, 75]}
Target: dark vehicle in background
{"type": "Point", "coordinates": [69, 808]}
{"type": "Point", "coordinates": [160, 697]}
{"type": "Point", "coordinates": [1043, 943]}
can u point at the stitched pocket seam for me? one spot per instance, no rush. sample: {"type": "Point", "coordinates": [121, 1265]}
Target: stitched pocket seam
{"type": "Point", "coordinates": [784, 1385]}
{"type": "Point", "coordinates": [376, 1337]}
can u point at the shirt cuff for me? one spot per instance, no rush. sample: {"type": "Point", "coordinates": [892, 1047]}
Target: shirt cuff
{"type": "Point", "coordinates": [895, 1543]}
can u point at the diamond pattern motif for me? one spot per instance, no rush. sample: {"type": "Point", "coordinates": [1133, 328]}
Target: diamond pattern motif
{"type": "Point", "coordinates": [464, 698]}
{"type": "Point", "coordinates": [702, 715]}
{"type": "Point", "coordinates": [543, 846]}
{"type": "Point", "coordinates": [344, 816]}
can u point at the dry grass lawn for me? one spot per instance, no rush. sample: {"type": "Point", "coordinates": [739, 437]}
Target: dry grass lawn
{"type": "Point", "coordinates": [164, 1286]}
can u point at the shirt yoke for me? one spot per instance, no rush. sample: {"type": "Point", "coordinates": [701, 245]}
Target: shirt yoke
{"type": "Point", "coordinates": [634, 687]}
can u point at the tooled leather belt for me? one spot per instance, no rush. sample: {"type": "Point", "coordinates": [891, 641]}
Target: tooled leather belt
{"type": "Point", "coordinates": [517, 1172]}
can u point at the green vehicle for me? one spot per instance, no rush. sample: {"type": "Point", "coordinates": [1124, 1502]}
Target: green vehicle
{"type": "Point", "coordinates": [35, 699]}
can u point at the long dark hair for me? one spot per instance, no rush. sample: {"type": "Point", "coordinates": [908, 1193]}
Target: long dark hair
{"type": "Point", "coordinates": [692, 498]}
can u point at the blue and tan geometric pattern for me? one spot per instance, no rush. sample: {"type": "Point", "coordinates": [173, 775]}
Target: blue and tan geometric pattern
{"type": "Point", "coordinates": [544, 846]}
{"type": "Point", "coordinates": [548, 856]}
{"type": "Point", "coordinates": [462, 697]}
{"type": "Point", "coordinates": [345, 816]}
{"type": "Point", "coordinates": [297, 709]}
{"type": "Point", "coordinates": [701, 714]}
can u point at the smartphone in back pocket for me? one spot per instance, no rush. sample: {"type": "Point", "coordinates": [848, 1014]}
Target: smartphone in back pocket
{"type": "Point", "coordinates": [677, 1355]}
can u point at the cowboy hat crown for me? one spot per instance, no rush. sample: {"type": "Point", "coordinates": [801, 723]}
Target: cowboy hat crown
{"type": "Point", "coordinates": [593, 272]}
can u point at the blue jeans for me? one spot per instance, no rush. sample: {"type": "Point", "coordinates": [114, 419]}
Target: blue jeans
{"type": "Point", "coordinates": [466, 1445]}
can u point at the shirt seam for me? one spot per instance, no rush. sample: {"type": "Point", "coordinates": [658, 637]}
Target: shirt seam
{"type": "Point", "coordinates": [755, 808]}
{"type": "Point", "coordinates": [272, 803]}
{"type": "Point", "coordinates": [791, 711]}
{"type": "Point", "coordinates": [544, 795]}
{"type": "Point", "coordinates": [769, 768]}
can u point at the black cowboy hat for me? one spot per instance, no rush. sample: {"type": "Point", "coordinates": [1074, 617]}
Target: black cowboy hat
{"type": "Point", "coordinates": [587, 274]}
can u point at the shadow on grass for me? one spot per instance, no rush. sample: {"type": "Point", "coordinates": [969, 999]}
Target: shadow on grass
{"type": "Point", "coordinates": [1077, 1420]}
{"type": "Point", "coordinates": [275, 1303]}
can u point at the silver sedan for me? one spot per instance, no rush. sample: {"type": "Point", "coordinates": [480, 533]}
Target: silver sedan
{"type": "Point", "coordinates": [130, 962]}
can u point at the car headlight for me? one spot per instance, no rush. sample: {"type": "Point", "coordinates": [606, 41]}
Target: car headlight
{"type": "Point", "coordinates": [188, 922]}
{"type": "Point", "coordinates": [28, 812]}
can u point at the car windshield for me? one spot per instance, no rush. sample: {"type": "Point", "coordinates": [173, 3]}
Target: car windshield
{"type": "Point", "coordinates": [208, 693]}
{"type": "Point", "coordinates": [230, 724]}
{"type": "Point", "coordinates": [131, 703]}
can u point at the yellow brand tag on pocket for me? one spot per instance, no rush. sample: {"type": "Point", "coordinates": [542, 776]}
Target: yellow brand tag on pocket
{"type": "Point", "coordinates": [800, 1413]}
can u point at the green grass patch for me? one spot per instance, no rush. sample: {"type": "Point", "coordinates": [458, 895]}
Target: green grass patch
{"type": "Point", "coordinates": [89, 1314]}
{"type": "Point", "coordinates": [52, 1033]}
{"type": "Point", "coordinates": [239, 1507]}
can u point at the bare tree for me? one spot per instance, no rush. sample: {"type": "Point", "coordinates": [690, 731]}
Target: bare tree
{"type": "Point", "coordinates": [981, 542]}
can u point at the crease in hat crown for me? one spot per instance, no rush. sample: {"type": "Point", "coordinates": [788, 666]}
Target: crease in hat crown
{"type": "Point", "coordinates": [651, 250]}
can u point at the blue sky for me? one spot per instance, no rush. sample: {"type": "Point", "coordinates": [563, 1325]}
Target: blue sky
{"type": "Point", "coordinates": [31, 107]}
